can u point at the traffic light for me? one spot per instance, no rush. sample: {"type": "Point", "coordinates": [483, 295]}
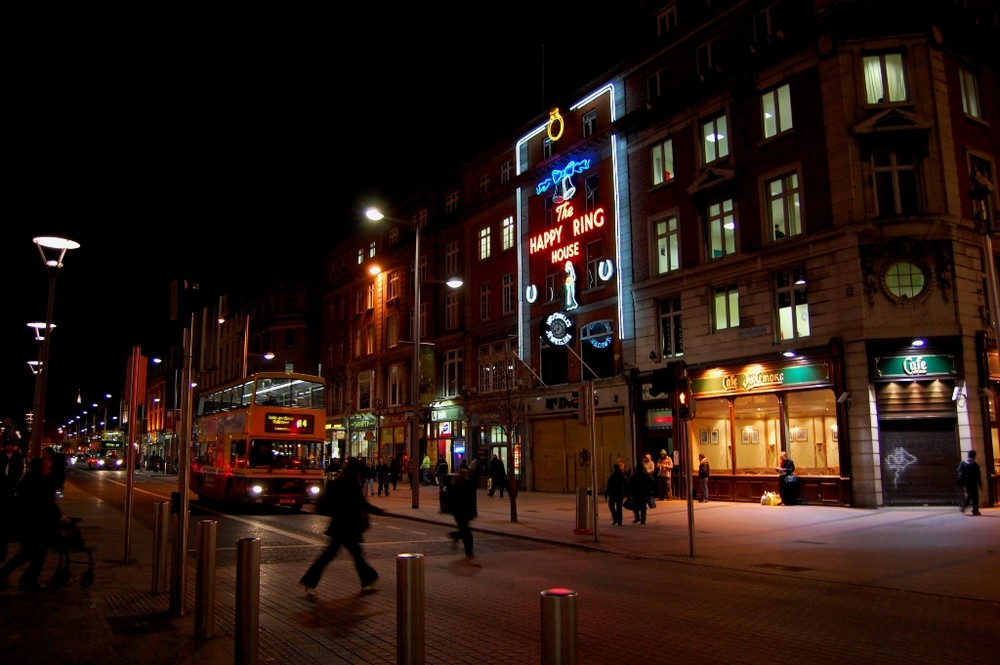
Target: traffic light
{"type": "Point", "coordinates": [684, 400]}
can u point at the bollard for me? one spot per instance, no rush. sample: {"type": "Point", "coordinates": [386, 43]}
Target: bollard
{"type": "Point", "coordinates": [161, 520]}
{"type": "Point", "coordinates": [204, 586]}
{"type": "Point", "coordinates": [558, 627]}
{"type": "Point", "coordinates": [409, 609]}
{"type": "Point", "coordinates": [584, 515]}
{"type": "Point", "coordinates": [247, 601]}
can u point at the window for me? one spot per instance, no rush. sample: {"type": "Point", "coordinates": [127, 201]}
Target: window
{"type": "Point", "coordinates": [484, 243]}
{"type": "Point", "coordinates": [359, 301]}
{"type": "Point", "coordinates": [715, 142]}
{"type": "Point", "coordinates": [597, 350]}
{"type": "Point", "coordinates": [983, 193]}
{"type": "Point", "coordinates": [341, 308]}
{"type": "Point", "coordinates": [361, 256]}
{"type": "Point", "coordinates": [662, 156]}
{"type": "Point", "coordinates": [671, 338]}
{"type": "Point", "coordinates": [370, 295]}
{"type": "Point", "coordinates": [484, 301]}
{"type": "Point", "coordinates": [366, 383]}
{"type": "Point", "coordinates": [666, 233]}
{"type": "Point", "coordinates": [393, 236]}
{"type": "Point", "coordinates": [451, 259]}
{"type": "Point", "coordinates": [370, 338]}
{"type": "Point", "coordinates": [726, 307]}
{"type": "Point", "coordinates": [895, 177]}
{"type": "Point", "coordinates": [589, 123]}
{"type": "Point", "coordinates": [453, 370]}
{"type": "Point", "coordinates": [553, 286]}
{"type": "Point", "coordinates": [392, 330]}
{"type": "Point", "coordinates": [783, 206]}
{"type": "Point", "coordinates": [371, 250]}
{"type": "Point", "coordinates": [654, 87]}
{"type": "Point", "coordinates": [484, 184]}
{"type": "Point", "coordinates": [547, 148]}
{"type": "Point", "coordinates": [793, 309]}
{"type": "Point", "coordinates": [451, 311]}
{"type": "Point", "coordinates": [721, 229]}
{"type": "Point", "coordinates": [357, 343]}
{"type": "Point", "coordinates": [666, 20]}
{"type": "Point", "coordinates": [705, 64]}
{"type": "Point", "coordinates": [594, 254]}
{"type": "Point", "coordinates": [451, 203]}
{"type": "Point", "coordinates": [395, 381]}
{"type": "Point", "coordinates": [419, 218]}
{"type": "Point", "coordinates": [497, 363]}
{"type": "Point", "coordinates": [970, 93]}
{"type": "Point", "coordinates": [392, 285]}
{"type": "Point", "coordinates": [506, 169]}
{"type": "Point", "coordinates": [776, 111]}
{"type": "Point", "coordinates": [885, 79]}
{"type": "Point", "coordinates": [507, 293]}
{"type": "Point", "coordinates": [507, 232]}
{"type": "Point", "coordinates": [905, 279]}
{"type": "Point", "coordinates": [592, 185]}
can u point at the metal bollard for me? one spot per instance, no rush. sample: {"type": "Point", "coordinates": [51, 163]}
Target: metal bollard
{"type": "Point", "coordinates": [204, 585]}
{"type": "Point", "coordinates": [248, 601]}
{"type": "Point", "coordinates": [409, 609]}
{"type": "Point", "coordinates": [558, 627]}
{"type": "Point", "coordinates": [161, 520]}
{"type": "Point", "coordinates": [584, 514]}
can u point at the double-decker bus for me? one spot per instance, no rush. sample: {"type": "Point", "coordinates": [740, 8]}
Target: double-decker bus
{"type": "Point", "coordinates": [260, 441]}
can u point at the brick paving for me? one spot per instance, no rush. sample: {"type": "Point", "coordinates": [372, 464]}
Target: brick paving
{"type": "Point", "coordinates": [745, 583]}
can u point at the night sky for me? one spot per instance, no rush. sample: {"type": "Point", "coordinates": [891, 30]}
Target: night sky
{"type": "Point", "coordinates": [212, 148]}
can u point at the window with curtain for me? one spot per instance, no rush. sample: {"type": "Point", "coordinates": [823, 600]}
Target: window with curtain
{"type": "Point", "coordinates": [885, 79]}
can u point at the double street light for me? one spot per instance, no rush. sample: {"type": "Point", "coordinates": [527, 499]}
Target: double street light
{"type": "Point", "coordinates": [53, 249]}
{"type": "Point", "coordinates": [375, 215]}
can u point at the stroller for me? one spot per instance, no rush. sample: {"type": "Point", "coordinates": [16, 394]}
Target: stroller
{"type": "Point", "coordinates": [66, 543]}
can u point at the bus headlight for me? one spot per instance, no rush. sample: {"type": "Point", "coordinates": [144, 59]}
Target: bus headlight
{"type": "Point", "coordinates": [314, 490]}
{"type": "Point", "coordinates": [257, 490]}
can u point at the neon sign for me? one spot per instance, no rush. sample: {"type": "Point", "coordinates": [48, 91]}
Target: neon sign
{"type": "Point", "coordinates": [554, 119]}
{"type": "Point", "coordinates": [558, 329]}
{"type": "Point", "coordinates": [560, 175]}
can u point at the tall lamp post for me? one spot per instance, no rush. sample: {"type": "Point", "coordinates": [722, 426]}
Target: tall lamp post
{"type": "Point", "coordinates": [57, 248]}
{"type": "Point", "coordinates": [376, 216]}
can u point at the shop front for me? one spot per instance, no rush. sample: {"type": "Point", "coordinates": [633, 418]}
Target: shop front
{"type": "Point", "coordinates": [362, 435]}
{"type": "Point", "coordinates": [446, 438]}
{"type": "Point", "coordinates": [745, 415]}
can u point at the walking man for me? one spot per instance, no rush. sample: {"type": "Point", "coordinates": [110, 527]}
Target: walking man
{"type": "Point", "coordinates": [462, 499]}
{"type": "Point", "coordinates": [971, 479]}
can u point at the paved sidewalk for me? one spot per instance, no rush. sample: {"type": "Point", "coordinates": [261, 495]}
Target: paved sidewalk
{"type": "Point", "coordinates": [118, 619]}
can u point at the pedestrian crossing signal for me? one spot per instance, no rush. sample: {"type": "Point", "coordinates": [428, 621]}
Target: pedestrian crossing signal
{"type": "Point", "coordinates": [684, 400]}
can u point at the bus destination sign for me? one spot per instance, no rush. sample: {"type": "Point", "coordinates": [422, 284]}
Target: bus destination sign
{"type": "Point", "coordinates": [286, 423]}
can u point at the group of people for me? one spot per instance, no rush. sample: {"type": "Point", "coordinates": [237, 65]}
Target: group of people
{"type": "Point", "coordinates": [29, 514]}
{"type": "Point", "coordinates": [637, 489]}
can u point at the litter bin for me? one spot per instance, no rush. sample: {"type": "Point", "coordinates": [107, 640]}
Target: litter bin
{"type": "Point", "coordinates": [584, 511]}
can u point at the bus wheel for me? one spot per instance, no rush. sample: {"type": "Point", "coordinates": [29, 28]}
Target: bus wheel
{"type": "Point", "coordinates": [297, 508]}
{"type": "Point", "coordinates": [232, 500]}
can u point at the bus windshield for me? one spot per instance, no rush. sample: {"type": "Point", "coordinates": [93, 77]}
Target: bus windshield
{"type": "Point", "coordinates": [273, 454]}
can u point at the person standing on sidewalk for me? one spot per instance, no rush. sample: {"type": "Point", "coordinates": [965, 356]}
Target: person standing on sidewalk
{"type": "Point", "coordinates": [498, 476]}
{"type": "Point", "coordinates": [462, 500]}
{"type": "Point", "coordinates": [971, 479]}
{"type": "Point", "coordinates": [614, 491]}
{"type": "Point", "coordinates": [382, 473]}
{"type": "Point", "coordinates": [348, 509]}
{"type": "Point", "coordinates": [640, 488]}
{"type": "Point", "coordinates": [11, 470]}
{"type": "Point", "coordinates": [664, 469]}
{"type": "Point", "coordinates": [704, 471]}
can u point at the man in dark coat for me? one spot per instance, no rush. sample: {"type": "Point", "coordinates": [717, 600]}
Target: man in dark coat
{"type": "Point", "coordinates": [462, 500]}
{"type": "Point", "coordinates": [971, 479]}
{"type": "Point", "coordinates": [11, 470]}
{"type": "Point", "coordinates": [348, 509]}
{"type": "Point", "coordinates": [38, 518]}
{"type": "Point", "coordinates": [498, 476]}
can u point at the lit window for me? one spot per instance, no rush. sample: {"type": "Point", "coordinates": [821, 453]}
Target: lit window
{"type": "Point", "coordinates": [508, 232]}
{"type": "Point", "coordinates": [715, 139]}
{"type": "Point", "coordinates": [484, 243]}
{"type": "Point", "coordinates": [672, 340]}
{"type": "Point", "coordinates": [662, 155]}
{"type": "Point", "coordinates": [666, 234]}
{"type": "Point", "coordinates": [726, 307]}
{"type": "Point", "coordinates": [793, 309]}
{"type": "Point", "coordinates": [776, 111]}
{"type": "Point", "coordinates": [885, 79]}
{"type": "Point", "coordinates": [721, 220]}
{"type": "Point", "coordinates": [970, 93]}
{"type": "Point", "coordinates": [783, 206]}
{"type": "Point", "coordinates": [905, 279]}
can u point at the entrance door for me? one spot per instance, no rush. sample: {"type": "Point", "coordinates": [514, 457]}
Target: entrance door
{"type": "Point", "coordinates": [919, 459]}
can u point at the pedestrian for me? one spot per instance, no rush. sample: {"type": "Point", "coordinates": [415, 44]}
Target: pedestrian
{"type": "Point", "coordinates": [441, 472]}
{"type": "Point", "coordinates": [475, 469]}
{"type": "Point", "coordinates": [639, 488]}
{"type": "Point", "coordinates": [971, 479]}
{"type": "Point", "coordinates": [368, 477]}
{"type": "Point", "coordinates": [704, 471]}
{"type": "Point", "coordinates": [462, 501]}
{"type": "Point", "coordinates": [614, 492]}
{"type": "Point", "coordinates": [498, 476]}
{"type": "Point", "coordinates": [37, 518]}
{"type": "Point", "coordinates": [425, 470]}
{"type": "Point", "coordinates": [393, 473]}
{"type": "Point", "coordinates": [11, 470]}
{"type": "Point", "coordinates": [787, 482]}
{"type": "Point", "coordinates": [348, 510]}
{"type": "Point", "coordinates": [664, 471]}
{"type": "Point", "coordinates": [382, 474]}
{"type": "Point", "coordinates": [648, 465]}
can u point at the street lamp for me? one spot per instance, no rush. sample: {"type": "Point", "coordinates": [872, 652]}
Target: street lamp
{"type": "Point", "coordinates": [57, 248]}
